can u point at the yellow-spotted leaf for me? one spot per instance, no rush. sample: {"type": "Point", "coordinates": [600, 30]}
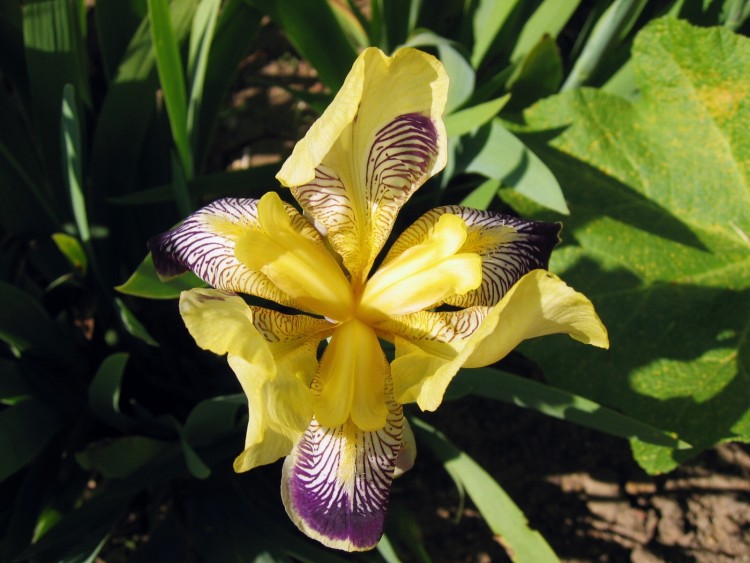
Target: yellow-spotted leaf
{"type": "Point", "coordinates": [659, 237]}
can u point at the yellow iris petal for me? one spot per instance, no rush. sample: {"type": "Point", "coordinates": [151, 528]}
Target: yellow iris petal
{"type": "Point", "coordinates": [274, 376]}
{"type": "Point", "coordinates": [537, 305]}
{"type": "Point", "coordinates": [352, 379]}
{"type": "Point", "coordinates": [377, 143]}
{"type": "Point", "coordinates": [423, 275]}
{"type": "Point", "coordinates": [302, 268]}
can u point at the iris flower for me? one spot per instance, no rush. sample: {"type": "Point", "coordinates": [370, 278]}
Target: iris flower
{"type": "Point", "coordinates": [458, 288]}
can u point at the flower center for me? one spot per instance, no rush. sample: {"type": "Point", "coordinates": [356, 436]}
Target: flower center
{"type": "Point", "coordinates": [422, 276]}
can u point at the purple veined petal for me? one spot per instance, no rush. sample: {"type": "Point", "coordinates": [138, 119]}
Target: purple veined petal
{"type": "Point", "coordinates": [336, 482]}
{"type": "Point", "coordinates": [205, 244]}
{"type": "Point", "coordinates": [399, 160]}
{"type": "Point", "coordinates": [509, 247]}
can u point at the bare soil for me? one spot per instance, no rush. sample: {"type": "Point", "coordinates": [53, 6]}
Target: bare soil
{"type": "Point", "coordinates": [582, 490]}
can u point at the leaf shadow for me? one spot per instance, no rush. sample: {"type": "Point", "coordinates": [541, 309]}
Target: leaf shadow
{"type": "Point", "coordinates": [676, 358]}
{"type": "Point", "coordinates": [591, 194]}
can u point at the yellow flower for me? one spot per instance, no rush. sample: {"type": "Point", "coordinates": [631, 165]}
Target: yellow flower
{"type": "Point", "coordinates": [338, 418]}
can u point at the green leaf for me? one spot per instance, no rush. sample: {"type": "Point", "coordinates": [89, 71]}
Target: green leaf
{"type": "Point", "coordinates": [466, 120]}
{"type": "Point", "coordinates": [489, 18]}
{"type": "Point", "coordinates": [54, 36]}
{"type": "Point", "coordinates": [235, 31]}
{"type": "Point", "coordinates": [305, 22]}
{"type": "Point", "coordinates": [537, 76]}
{"type": "Point", "coordinates": [494, 384]}
{"type": "Point", "coordinates": [172, 78]}
{"type": "Point", "coordinates": [482, 195]}
{"type": "Point", "coordinates": [120, 132]}
{"type": "Point", "coordinates": [201, 38]}
{"type": "Point", "coordinates": [73, 161]}
{"type": "Point", "coordinates": [145, 282]}
{"type": "Point", "coordinates": [460, 73]}
{"type": "Point", "coordinates": [133, 325]}
{"type": "Point", "coordinates": [25, 325]}
{"type": "Point", "coordinates": [660, 202]}
{"type": "Point", "coordinates": [104, 391]}
{"type": "Point", "coordinates": [120, 457]}
{"type": "Point", "coordinates": [13, 388]}
{"type": "Point", "coordinates": [616, 19]}
{"type": "Point", "coordinates": [72, 250]}
{"type": "Point", "coordinates": [519, 167]}
{"type": "Point", "coordinates": [213, 419]}
{"type": "Point", "coordinates": [499, 511]}
{"type": "Point", "coordinates": [24, 430]}
{"type": "Point", "coordinates": [549, 18]}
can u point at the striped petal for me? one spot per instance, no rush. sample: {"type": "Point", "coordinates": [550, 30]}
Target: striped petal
{"type": "Point", "coordinates": [377, 143]}
{"type": "Point", "coordinates": [509, 248]}
{"type": "Point", "coordinates": [205, 244]}
{"type": "Point", "coordinates": [300, 266]}
{"type": "Point", "coordinates": [336, 482]}
{"type": "Point", "coordinates": [274, 357]}
{"type": "Point", "coordinates": [537, 305]}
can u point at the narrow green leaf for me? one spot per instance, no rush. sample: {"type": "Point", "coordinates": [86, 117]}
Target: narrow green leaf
{"type": "Point", "coordinates": [172, 79]}
{"type": "Point", "coordinates": [25, 325]}
{"type": "Point", "coordinates": [557, 403]}
{"type": "Point", "coordinates": [482, 195]}
{"type": "Point", "coordinates": [504, 518]}
{"type": "Point", "coordinates": [305, 22]}
{"type": "Point", "coordinates": [120, 132]}
{"type": "Point", "coordinates": [116, 22]}
{"type": "Point", "coordinates": [489, 18]}
{"type": "Point", "coordinates": [235, 30]}
{"type": "Point", "coordinates": [605, 33]}
{"type": "Point", "coordinates": [104, 391]}
{"type": "Point", "coordinates": [133, 325]}
{"type": "Point", "coordinates": [201, 39]}
{"type": "Point", "coordinates": [55, 56]}
{"type": "Point", "coordinates": [145, 282]}
{"type": "Point", "coordinates": [71, 248]}
{"type": "Point", "coordinates": [466, 120]}
{"type": "Point", "coordinates": [73, 161]}
{"type": "Point", "coordinates": [519, 168]}
{"type": "Point", "coordinates": [121, 457]}
{"type": "Point", "coordinates": [213, 419]}
{"type": "Point", "coordinates": [25, 187]}
{"type": "Point", "coordinates": [81, 531]}
{"type": "Point", "coordinates": [13, 388]}
{"type": "Point", "coordinates": [25, 429]}
{"type": "Point", "coordinates": [548, 19]}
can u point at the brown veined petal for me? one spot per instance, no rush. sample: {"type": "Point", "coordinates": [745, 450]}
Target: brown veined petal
{"type": "Point", "coordinates": [376, 144]}
{"type": "Point", "coordinates": [509, 248]}
{"type": "Point", "coordinates": [336, 482]}
{"type": "Point", "coordinates": [205, 244]}
{"type": "Point", "coordinates": [537, 305]}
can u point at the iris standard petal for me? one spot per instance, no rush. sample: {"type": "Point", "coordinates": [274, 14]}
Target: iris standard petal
{"type": "Point", "coordinates": [537, 305]}
{"type": "Point", "coordinates": [299, 265]}
{"type": "Point", "coordinates": [509, 248]}
{"type": "Point", "coordinates": [352, 379]}
{"type": "Point", "coordinates": [336, 482]}
{"type": "Point", "coordinates": [274, 358]}
{"type": "Point", "coordinates": [423, 275]}
{"type": "Point", "coordinates": [205, 244]}
{"type": "Point", "coordinates": [375, 145]}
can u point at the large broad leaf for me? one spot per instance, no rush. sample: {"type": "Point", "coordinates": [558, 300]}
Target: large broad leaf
{"type": "Point", "coordinates": [659, 236]}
